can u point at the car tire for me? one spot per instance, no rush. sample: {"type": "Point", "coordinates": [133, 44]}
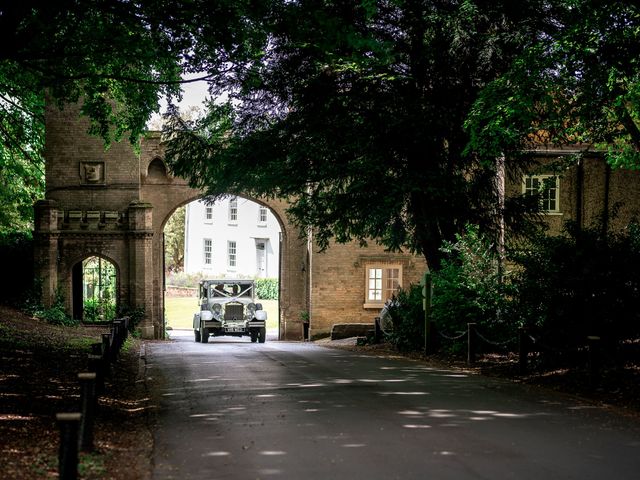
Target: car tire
{"type": "Point", "coordinates": [263, 335]}
{"type": "Point", "coordinates": [205, 335]}
{"type": "Point", "coordinates": [254, 335]}
{"type": "Point", "coordinates": [197, 334]}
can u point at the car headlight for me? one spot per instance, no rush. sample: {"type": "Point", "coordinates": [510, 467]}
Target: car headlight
{"type": "Point", "coordinates": [216, 307]}
{"type": "Point", "coordinates": [251, 308]}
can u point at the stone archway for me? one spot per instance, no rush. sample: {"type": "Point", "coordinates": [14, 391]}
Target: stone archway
{"type": "Point", "coordinates": [115, 204]}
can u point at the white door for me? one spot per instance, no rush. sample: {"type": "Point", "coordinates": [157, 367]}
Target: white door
{"type": "Point", "coordinates": [261, 259]}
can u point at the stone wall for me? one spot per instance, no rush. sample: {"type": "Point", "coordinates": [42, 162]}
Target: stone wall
{"type": "Point", "coordinates": [338, 283]}
{"type": "Point", "coordinates": [587, 192]}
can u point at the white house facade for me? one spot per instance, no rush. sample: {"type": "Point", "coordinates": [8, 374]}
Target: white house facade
{"type": "Point", "coordinates": [233, 237]}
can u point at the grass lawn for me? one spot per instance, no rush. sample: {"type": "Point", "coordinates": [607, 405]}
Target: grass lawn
{"type": "Point", "coordinates": [180, 310]}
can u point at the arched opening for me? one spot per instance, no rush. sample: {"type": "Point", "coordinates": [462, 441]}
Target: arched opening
{"type": "Point", "coordinates": [232, 238]}
{"type": "Point", "coordinates": [157, 171]}
{"type": "Point", "coordinates": [94, 290]}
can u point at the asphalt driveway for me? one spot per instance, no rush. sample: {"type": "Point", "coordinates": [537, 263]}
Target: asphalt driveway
{"type": "Point", "coordinates": [231, 409]}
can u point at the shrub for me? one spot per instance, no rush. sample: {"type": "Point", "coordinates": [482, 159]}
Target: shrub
{"type": "Point", "coordinates": [56, 314]}
{"type": "Point", "coordinates": [470, 288]}
{"type": "Point", "coordinates": [267, 288]}
{"type": "Point", "coordinates": [95, 310]}
{"type": "Point", "coordinates": [407, 316]}
{"type": "Point", "coordinates": [136, 315]}
{"type": "Point", "coordinates": [581, 283]}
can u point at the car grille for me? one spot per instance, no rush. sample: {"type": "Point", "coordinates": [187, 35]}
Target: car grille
{"type": "Point", "coordinates": [232, 311]}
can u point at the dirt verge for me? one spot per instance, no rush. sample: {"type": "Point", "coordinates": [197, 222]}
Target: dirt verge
{"type": "Point", "coordinates": [38, 378]}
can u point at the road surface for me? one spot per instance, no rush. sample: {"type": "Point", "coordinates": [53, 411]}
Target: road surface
{"type": "Point", "coordinates": [231, 409]}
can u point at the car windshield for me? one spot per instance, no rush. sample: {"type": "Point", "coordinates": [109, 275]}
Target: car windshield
{"type": "Point", "coordinates": [226, 290]}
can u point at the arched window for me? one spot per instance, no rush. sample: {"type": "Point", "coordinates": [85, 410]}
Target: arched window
{"type": "Point", "coordinates": [97, 288]}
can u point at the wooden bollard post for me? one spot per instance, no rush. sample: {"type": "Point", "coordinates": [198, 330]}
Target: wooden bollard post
{"type": "Point", "coordinates": [593, 343]}
{"type": "Point", "coordinates": [88, 404]}
{"type": "Point", "coordinates": [471, 343]}
{"type": "Point", "coordinates": [377, 333]}
{"type": "Point", "coordinates": [115, 340]}
{"type": "Point", "coordinates": [118, 336]}
{"type": "Point", "coordinates": [69, 424]}
{"type": "Point", "coordinates": [107, 340]}
{"type": "Point", "coordinates": [96, 348]}
{"type": "Point", "coordinates": [523, 344]}
{"type": "Point", "coordinates": [96, 365]}
{"type": "Point", "coordinates": [106, 344]}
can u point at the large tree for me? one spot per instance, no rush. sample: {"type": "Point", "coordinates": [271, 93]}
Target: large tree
{"type": "Point", "coordinates": [579, 84]}
{"type": "Point", "coordinates": [116, 57]}
{"type": "Point", "coordinates": [356, 112]}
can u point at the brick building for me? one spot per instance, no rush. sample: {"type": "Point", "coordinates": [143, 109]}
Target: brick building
{"type": "Point", "coordinates": [586, 192]}
{"type": "Point", "coordinates": [114, 204]}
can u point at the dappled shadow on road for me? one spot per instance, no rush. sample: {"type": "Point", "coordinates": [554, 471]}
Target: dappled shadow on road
{"type": "Point", "coordinates": [264, 407]}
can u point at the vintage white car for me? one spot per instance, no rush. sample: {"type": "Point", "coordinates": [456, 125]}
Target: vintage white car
{"type": "Point", "coordinates": [227, 307]}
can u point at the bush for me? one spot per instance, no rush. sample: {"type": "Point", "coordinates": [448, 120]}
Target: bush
{"type": "Point", "coordinates": [136, 315]}
{"type": "Point", "coordinates": [581, 283]}
{"type": "Point", "coordinates": [267, 288]}
{"type": "Point", "coordinates": [407, 316]}
{"type": "Point", "coordinates": [470, 288]}
{"type": "Point", "coordinates": [56, 314]}
{"type": "Point", "coordinates": [95, 310]}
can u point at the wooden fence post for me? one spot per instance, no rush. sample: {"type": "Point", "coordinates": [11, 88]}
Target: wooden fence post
{"type": "Point", "coordinates": [68, 452]}
{"type": "Point", "coordinates": [88, 404]}
{"type": "Point", "coordinates": [427, 299]}
{"type": "Point", "coordinates": [471, 343]}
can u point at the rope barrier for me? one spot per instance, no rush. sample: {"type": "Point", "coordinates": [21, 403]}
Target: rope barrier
{"type": "Point", "coordinates": [457, 337]}
{"type": "Point", "coordinates": [497, 344]}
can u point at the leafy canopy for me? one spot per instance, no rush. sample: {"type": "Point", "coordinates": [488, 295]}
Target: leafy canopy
{"type": "Point", "coordinates": [356, 112]}
{"type": "Point", "coordinates": [577, 84]}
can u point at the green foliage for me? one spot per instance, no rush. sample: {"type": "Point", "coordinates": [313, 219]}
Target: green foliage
{"type": "Point", "coordinates": [174, 241]}
{"type": "Point", "coordinates": [267, 288]}
{"type": "Point", "coordinates": [578, 83]}
{"type": "Point", "coordinates": [581, 283]}
{"type": "Point", "coordinates": [471, 288]}
{"type": "Point", "coordinates": [56, 314]}
{"type": "Point", "coordinates": [407, 316]}
{"type": "Point", "coordinates": [136, 315]}
{"type": "Point", "coordinates": [358, 111]}
{"type": "Point", "coordinates": [115, 58]}
{"type": "Point", "coordinates": [98, 310]}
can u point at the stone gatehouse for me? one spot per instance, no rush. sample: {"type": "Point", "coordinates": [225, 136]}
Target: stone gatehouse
{"type": "Point", "coordinates": [114, 204]}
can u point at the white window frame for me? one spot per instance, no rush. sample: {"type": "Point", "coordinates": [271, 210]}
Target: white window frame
{"type": "Point", "coordinates": [232, 254]}
{"type": "Point", "coordinates": [381, 281]}
{"type": "Point", "coordinates": [207, 254]}
{"type": "Point", "coordinates": [233, 211]}
{"type": "Point", "coordinates": [208, 214]}
{"type": "Point", "coordinates": [547, 195]}
{"type": "Point", "coordinates": [262, 216]}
